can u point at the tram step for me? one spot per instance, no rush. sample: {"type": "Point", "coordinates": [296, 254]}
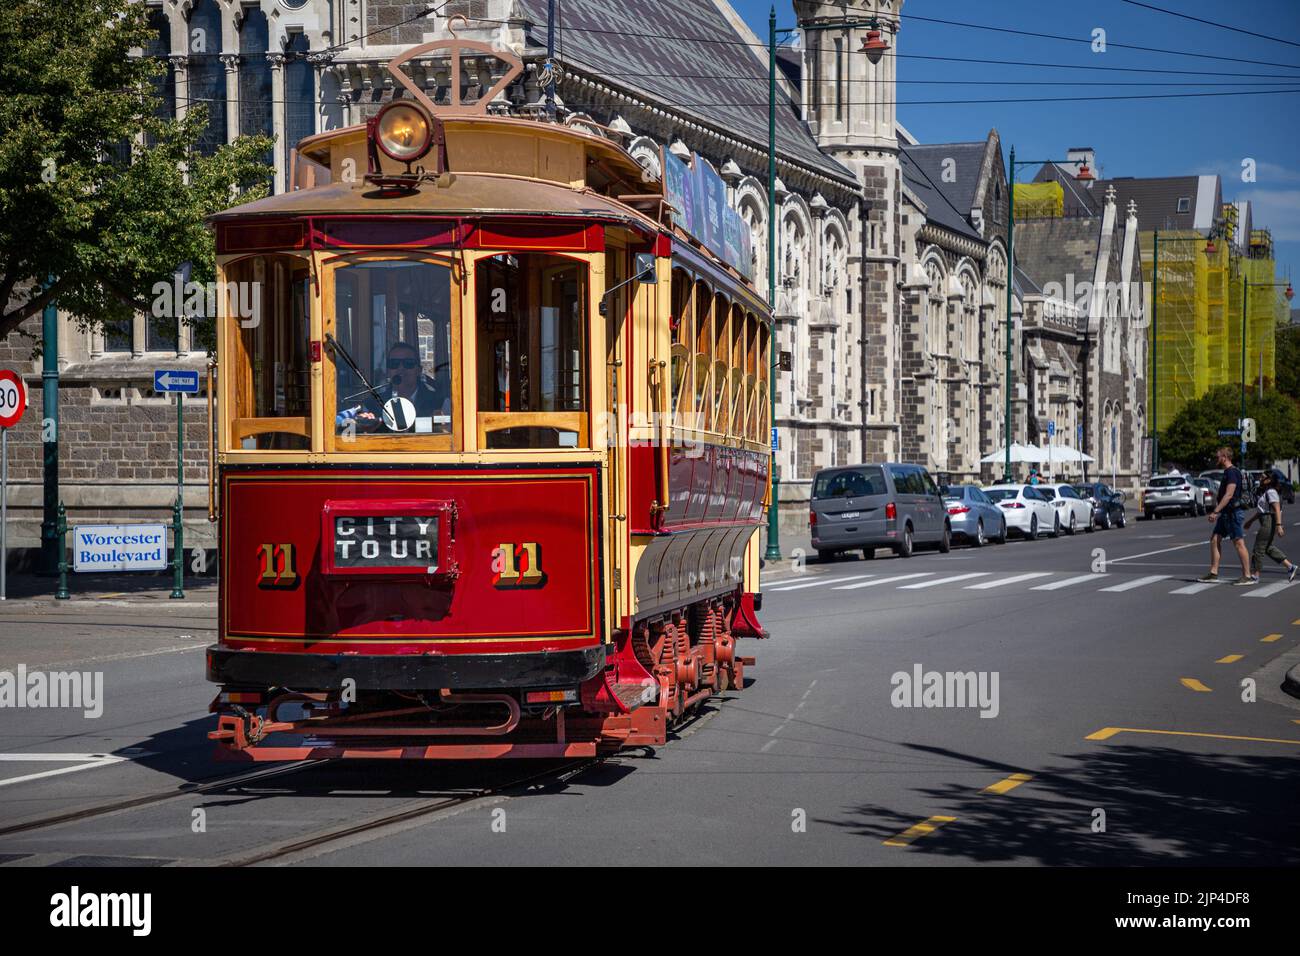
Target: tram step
{"type": "Point", "coordinates": [633, 696]}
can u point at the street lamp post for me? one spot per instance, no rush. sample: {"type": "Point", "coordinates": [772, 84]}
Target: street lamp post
{"type": "Point", "coordinates": [773, 551]}
{"type": "Point", "coordinates": [1085, 175]}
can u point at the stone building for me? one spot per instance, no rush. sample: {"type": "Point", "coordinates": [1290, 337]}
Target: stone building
{"type": "Point", "coordinates": [1083, 358]}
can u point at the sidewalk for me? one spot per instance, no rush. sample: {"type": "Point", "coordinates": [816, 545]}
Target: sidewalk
{"type": "Point", "coordinates": [26, 589]}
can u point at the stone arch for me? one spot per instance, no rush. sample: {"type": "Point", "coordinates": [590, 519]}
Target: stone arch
{"type": "Point", "coordinates": [936, 273]}
{"type": "Point", "coordinates": [750, 200]}
{"type": "Point", "coordinates": [794, 242]}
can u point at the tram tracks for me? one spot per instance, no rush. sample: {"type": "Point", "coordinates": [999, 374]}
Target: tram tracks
{"type": "Point", "coordinates": [377, 824]}
{"type": "Point", "coordinates": [150, 799]}
{"type": "Point", "coordinates": [283, 851]}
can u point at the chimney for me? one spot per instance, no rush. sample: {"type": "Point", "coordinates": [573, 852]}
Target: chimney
{"type": "Point", "coordinates": [1077, 155]}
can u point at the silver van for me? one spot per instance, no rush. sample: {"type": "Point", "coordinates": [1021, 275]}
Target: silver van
{"type": "Point", "coordinates": [889, 505]}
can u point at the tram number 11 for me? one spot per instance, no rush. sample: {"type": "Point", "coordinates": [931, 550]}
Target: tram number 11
{"type": "Point", "coordinates": [506, 565]}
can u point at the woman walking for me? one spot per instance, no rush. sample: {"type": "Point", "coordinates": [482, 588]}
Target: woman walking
{"type": "Point", "coordinates": [1268, 512]}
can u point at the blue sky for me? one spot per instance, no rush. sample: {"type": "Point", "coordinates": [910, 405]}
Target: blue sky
{"type": "Point", "coordinates": [1166, 137]}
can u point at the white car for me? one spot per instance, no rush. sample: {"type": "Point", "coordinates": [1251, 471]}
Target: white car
{"type": "Point", "coordinates": [1075, 511]}
{"type": "Point", "coordinates": [1027, 510]}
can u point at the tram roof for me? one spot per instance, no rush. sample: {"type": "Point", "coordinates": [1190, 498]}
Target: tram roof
{"type": "Point", "coordinates": [472, 195]}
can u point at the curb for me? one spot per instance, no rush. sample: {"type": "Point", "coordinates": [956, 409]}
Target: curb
{"type": "Point", "coordinates": [1291, 683]}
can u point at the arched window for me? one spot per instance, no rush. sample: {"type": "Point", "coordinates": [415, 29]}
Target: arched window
{"type": "Point", "coordinates": [207, 75]}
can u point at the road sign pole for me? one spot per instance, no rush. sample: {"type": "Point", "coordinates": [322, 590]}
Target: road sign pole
{"type": "Point", "coordinates": [4, 509]}
{"type": "Point", "coordinates": [178, 513]}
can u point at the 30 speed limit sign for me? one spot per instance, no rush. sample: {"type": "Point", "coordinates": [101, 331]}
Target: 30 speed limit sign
{"type": "Point", "coordinates": [13, 398]}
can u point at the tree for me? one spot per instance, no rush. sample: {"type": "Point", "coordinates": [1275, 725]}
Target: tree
{"type": "Point", "coordinates": [1288, 360]}
{"type": "Point", "coordinates": [100, 196]}
{"type": "Point", "coordinates": [1193, 435]}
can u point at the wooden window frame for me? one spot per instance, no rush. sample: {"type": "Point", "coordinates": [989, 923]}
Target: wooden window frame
{"type": "Point", "coordinates": [334, 443]}
{"type": "Point", "coordinates": [235, 385]}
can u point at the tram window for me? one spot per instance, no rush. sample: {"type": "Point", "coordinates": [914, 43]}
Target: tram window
{"type": "Point", "coordinates": [532, 351]}
{"type": "Point", "coordinates": [270, 391]}
{"type": "Point", "coordinates": [392, 318]}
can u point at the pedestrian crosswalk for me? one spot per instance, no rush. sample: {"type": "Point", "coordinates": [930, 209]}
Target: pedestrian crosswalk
{"type": "Point", "coordinates": [981, 581]}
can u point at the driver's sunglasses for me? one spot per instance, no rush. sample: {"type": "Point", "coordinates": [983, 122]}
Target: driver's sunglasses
{"type": "Point", "coordinates": [402, 363]}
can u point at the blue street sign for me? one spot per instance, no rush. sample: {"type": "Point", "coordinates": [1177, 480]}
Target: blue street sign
{"type": "Point", "coordinates": [1051, 428]}
{"type": "Point", "coordinates": [175, 380]}
{"type": "Point", "coordinates": [776, 444]}
{"type": "Point", "coordinates": [1225, 432]}
{"type": "Point", "coordinates": [1078, 434]}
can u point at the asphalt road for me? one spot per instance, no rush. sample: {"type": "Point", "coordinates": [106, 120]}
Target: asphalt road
{"type": "Point", "coordinates": [1122, 730]}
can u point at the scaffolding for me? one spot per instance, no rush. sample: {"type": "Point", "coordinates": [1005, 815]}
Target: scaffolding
{"type": "Point", "coordinates": [1195, 342]}
{"type": "Point", "coordinates": [1039, 200]}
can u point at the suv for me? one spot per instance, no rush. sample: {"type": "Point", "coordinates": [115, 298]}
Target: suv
{"type": "Point", "coordinates": [889, 505]}
{"type": "Point", "coordinates": [1171, 493]}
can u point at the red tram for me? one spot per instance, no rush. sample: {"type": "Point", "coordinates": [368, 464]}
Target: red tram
{"type": "Point", "coordinates": [490, 446]}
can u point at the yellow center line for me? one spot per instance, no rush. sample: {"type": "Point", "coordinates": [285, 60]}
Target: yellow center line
{"type": "Point", "coordinates": [1191, 683]}
{"type": "Point", "coordinates": [1270, 638]}
{"type": "Point", "coordinates": [1230, 659]}
{"type": "Point", "coordinates": [918, 830]}
{"type": "Point", "coordinates": [1010, 783]}
{"type": "Point", "coordinates": [1107, 732]}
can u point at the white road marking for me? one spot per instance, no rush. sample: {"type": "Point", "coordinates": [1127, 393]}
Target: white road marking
{"type": "Point", "coordinates": [78, 761]}
{"type": "Point", "coordinates": [1139, 582]}
{"type": "Point", "coordinates": [942, 581]}
{"type": "Point", "coordinates": [871, 584]}
{"type": "Point", "coordinates": [1269, 590]}
{"type": "Point", "coordinates": [1147, 554]}
{"type": "Point", "coordinates": [1014, 579]}
{"type": "Point", "coordinates": [813, 584]}
{"type": "Point", "coordinates": [1197, 588]}
{"type": "Point", "coordinates": [1057, 585]}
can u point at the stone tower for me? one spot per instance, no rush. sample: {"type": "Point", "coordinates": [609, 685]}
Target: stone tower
{"type": "Point", "coordinates": [849, 104]}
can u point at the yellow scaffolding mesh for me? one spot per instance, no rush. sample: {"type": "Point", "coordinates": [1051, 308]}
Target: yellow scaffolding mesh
{"type": "Point", "coordinates": [1218, 349]}
{"type": "Point", "coordinates": [1039, 200]}
{"type": "Point", "coordinates": [1195, 334]}
{"type": "Point", "coordinates": [1179, 352]}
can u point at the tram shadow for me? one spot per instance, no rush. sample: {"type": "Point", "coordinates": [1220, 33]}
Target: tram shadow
{"type": "Point", "coordinates": [184, 753]}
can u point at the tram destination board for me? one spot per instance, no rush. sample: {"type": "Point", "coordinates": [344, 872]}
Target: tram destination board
{"type": "Point", "coordinates": [386, 542]}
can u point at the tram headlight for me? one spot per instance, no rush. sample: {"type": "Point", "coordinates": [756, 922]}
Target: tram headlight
{"type": "Point", "coordinates": [403, 131]}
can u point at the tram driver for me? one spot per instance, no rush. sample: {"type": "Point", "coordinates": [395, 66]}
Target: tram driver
{"type": "Point", "coordinates": [405, 379]}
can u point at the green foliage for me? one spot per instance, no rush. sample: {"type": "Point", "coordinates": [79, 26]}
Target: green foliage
{"type": "Point", "coordinates": [1288, 360]}
{"type": "Point", "coordinates": [74, 104]}
{"type": "Point", "coordinates": [1193, 435]}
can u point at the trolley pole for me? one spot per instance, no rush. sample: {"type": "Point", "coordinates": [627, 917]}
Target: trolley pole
{"type": "Point", "coordinates": [773, 552]}
{"type": "Point", "coordinates": [550, 60]}
{"type": "Point", "coordinates": [1011, 279]}
{"type": "Point", "coordinates": [1155, 343]}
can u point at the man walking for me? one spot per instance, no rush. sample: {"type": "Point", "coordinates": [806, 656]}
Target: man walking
{"type": "Point", "coordinates": [1227, 520]}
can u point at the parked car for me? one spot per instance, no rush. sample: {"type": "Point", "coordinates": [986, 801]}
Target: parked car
{"type": "Point", "coordinates": [1107, 504]}
{"type": "Point", "coordinates": [1074, 511]}
{"type": "Point", "coordinates": [972, 516]}
{"type": "Point", "coordinates": [1209, 493]}
{"type": "Point", "coordinates": [1027, 511]}
{"type": "Point", "coordinates": [886, 505]}
{"type": "Point", "coordinates": [1285, 489]}
{"type": "Point", "coordinates": [1215, 475]}
{"type": "Point", "coordinates": [1170, 493]}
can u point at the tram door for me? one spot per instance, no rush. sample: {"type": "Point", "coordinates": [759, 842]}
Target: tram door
{"type": "Point", "coordinates": [617, 329]}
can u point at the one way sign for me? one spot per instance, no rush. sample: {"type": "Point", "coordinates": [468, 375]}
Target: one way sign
{"type": "Point", "coordinates": [175, 380]}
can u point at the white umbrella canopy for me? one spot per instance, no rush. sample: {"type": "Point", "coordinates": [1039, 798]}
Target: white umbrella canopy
{"type": "Point", "coordinates": [1067, 455]}
{"type": "Point", "coordinates": [1019, 453]}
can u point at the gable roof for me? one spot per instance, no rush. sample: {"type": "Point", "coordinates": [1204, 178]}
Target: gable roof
{"type": "Point", "coordinates": [648, 47]}
{"type": "Point", "coordinates": [1049, 249]}
{"type": "Point", "coordinates": [948, 204]}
